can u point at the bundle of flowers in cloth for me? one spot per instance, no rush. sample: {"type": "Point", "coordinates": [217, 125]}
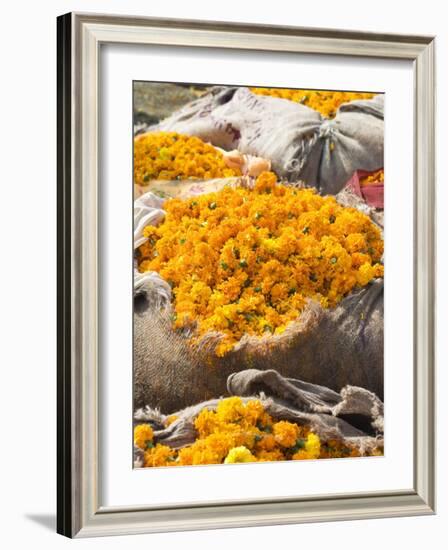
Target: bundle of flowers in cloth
{"type": "Point", "coordinates": [250, 277]}
{"type": "Point", "coordinates": [299, 422]}
{"type": "Point", "coordinates": [300, 143]}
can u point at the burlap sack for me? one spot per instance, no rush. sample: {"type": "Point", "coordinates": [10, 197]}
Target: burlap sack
{"type": "Point", "coordinates": [299, 142]}
{"type": "Point", "coordinates": [332, 348]}
{"type": "Point", "coordinates": [354, 415]}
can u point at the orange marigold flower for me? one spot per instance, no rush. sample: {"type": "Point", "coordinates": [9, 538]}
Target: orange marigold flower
{"type": "Point", "coordinates": [160, 455]}
{"type": "Point", "coordinates": [270, 456]}
{"type": "Point", "coordinates": [286, 433]}
{"type": "Point", "coordinates": [266, 442]}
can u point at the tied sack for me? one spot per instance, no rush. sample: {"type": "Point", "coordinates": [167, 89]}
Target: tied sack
{"type": "Point", "coordinates": [299, 142]}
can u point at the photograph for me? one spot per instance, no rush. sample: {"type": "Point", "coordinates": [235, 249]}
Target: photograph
{"type": "Point", "coordinates": [258, 274]}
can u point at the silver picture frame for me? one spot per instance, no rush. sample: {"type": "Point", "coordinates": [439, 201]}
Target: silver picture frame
{"type": "Point", "coordinates": [79, 512]}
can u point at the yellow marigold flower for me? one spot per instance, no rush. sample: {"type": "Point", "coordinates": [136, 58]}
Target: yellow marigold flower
{"type": "Point", "coordinates": [324, 101]}
{"type": "Point", "coordinates": [143, 435]}
{"type": "Point", "coordinates": [312, 445]}
{"type": "Point", "coordinates": [365, 274]}
{"type": "Point", "coordinates": [168, 156]}
{"type": "Point", "coordinates": [286, 433]}
{"type": "Point", "coordinates": [239, 454]}
{"type": "Point", "coordinates": [230, 410]}
{"type": "Point", "coordinates": [242, 263]}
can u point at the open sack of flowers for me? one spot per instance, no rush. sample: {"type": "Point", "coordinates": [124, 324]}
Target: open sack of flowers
{"type": "Point", "coordinates": [254, 275]}
{"type": "Point", "coordinates": [320, 147]}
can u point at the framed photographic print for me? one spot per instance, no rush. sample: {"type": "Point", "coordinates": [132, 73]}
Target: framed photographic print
{"type": "Point", "coordinates": [245, 275]}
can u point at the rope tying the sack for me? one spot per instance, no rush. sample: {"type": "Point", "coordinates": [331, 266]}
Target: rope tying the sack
{"type": "Point", "coordinates": [326, 129]}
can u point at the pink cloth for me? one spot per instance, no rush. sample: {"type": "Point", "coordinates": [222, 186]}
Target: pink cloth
{"type": "Point", "coordinates": [373, 194]}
